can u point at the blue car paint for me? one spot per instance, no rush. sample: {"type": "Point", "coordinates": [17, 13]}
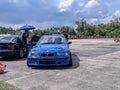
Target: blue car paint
{"type": "Point", "coordinates": [49, 57]}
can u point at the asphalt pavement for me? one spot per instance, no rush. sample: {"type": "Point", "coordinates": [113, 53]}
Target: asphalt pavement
{"type": "Point", "coordinates": [96, 66]}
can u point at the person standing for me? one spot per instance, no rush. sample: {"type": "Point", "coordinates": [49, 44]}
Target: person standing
{"type": "Point", "coordinates": [25, 36]}
{"type": "Point", "coordinates": [34, 39]}
{"type": "Point", "coordinates": [66, 35]}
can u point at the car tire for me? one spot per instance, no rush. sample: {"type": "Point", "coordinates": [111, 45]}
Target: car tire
{"type": "Point", "coordinates": [29, 65]}
{"type": "Point", "coordinates": [21, 53]}
{"type": "Point", "coordinates": [70, 62]}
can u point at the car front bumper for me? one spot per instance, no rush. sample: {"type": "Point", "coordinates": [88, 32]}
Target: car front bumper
{"type": "Point", "coordinates": [48, 62]}
{"type": "Point", "coordinates": [9, 53]}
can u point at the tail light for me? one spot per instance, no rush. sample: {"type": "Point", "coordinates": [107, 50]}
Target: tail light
{"type": "Point", "coordinates": [11, 47]}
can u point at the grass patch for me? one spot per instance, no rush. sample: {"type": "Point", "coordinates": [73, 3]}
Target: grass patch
{"type": "Point", "coordinates": [6, 86]}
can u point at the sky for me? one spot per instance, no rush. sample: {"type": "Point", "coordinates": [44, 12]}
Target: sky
{"type": "Point", "coordinates": [56, 13]}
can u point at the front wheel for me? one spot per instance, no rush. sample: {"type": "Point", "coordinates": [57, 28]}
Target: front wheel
{"type": "Point", "coordinates": [70, 62]}
{"type": "Point", "coordinates": [21, 54]}
{"type": "Point", "coordinates": [29, 65]}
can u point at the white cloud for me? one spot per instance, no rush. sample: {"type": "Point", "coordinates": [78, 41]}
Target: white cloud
{"type": "Point", "coordinates": [80, 3]}
{"type": "Point", "coordinates": [14, 26]}
{"type": "Point", "coordinates": [108, 4]}
{"type": "Point", "coordinates": [92, 3]}
{"type": "Point", "coordinates": [117, 14]}
{"type": "Point", "coordinates": [45, 24]}
{"type": "Point", "coordinates": [19, 2]}
{"type": "Point", "coordinates": [92, 20]}
{"type": "Point", "coordinates": [64, 5]}
{"type": "Point", "coordinates": [47, 13]}
{"type": "Point", "coordinates": [107, 19]}
{"type": "Point", "coordinates": [13, 1]}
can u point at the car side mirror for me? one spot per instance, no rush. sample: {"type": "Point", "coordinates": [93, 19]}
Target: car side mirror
{"type": "Point", "coordinates": [34, 43]}
{"type": "Point", "coordinates": [69, 42]}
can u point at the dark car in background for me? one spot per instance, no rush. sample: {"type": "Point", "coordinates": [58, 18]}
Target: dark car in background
{"type": "Point", "coordinates": [11, 46]}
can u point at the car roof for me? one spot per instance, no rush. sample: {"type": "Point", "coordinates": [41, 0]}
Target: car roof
{"type": "Point", "coordinates": [8, 38]}
{"type": "Point", "coordinates": [53, 35]}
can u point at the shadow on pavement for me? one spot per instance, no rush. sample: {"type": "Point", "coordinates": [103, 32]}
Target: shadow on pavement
{"type": "Point", "coordinates": [3, 72]}
{"type": "Point", "coordinates": [75, 60]}
{"type": "Point", "coordinates": [11, 59]}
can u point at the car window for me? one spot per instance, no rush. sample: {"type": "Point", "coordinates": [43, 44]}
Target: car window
{"type": "Point", "coordinates": [6, 38]}
{"type": "Point", "coordinates": [52, 39]}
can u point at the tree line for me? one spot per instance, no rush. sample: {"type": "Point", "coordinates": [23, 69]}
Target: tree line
{"type": "Point", "coordinates": [111, 29]}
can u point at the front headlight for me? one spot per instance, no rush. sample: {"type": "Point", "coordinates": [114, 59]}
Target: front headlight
{"type": "Point", "coordinates": [62, 54]}
{"type": "Point", "coordinates": [33, 54]}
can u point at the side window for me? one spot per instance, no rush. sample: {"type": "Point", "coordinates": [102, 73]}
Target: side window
{"type": "Point", "coordinates": [58, 40]}
{"type": "Point", "coordinates": [19, 41]}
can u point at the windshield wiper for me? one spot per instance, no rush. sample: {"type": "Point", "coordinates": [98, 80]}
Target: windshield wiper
{"type": "Point", "coordinates": [59, 43]}
{"type": "Point", "coordinates": [46, 43]}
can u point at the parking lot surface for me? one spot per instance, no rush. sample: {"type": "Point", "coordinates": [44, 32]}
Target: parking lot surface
{"type": "Point", "coordinates": [96, 66]}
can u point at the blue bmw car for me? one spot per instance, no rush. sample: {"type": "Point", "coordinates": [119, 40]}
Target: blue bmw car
{"type": "Point", "coordinates": [50, 50]}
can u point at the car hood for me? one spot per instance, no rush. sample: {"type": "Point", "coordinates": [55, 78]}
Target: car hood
{"type": "Point", "coordinates": [50, 47]}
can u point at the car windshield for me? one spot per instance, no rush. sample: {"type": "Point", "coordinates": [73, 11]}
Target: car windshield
{"type": "Point", "coordinates": [52, 39]}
